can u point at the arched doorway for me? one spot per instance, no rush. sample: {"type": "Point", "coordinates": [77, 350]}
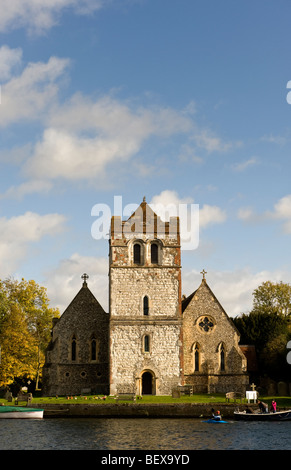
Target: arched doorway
{"type": "Point", "coordinates": [147, 387]}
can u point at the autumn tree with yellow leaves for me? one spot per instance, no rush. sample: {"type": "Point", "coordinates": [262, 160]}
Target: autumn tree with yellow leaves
{"type": "Point", "coordinates": [25, 327]}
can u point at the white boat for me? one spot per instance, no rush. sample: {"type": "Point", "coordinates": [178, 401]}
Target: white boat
{"type": "Point", "coordinates": [18, 412]}
{"type": "Point", "coordinates": [259, 416]}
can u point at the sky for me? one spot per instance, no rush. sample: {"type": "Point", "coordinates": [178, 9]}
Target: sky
{"type": "Point", "coordinates": [184, 102]}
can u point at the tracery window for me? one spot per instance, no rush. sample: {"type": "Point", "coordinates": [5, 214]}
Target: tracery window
{"type": "Point", "coordinates": [206, 324]}
{"type": "Point", "coordinates": [222, 357]}
{"type": "Point", "coordinates": [196, 354]}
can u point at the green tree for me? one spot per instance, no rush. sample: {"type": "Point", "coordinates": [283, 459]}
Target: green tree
{"type": "Point", "coordinates": [273, 298]}
{"type": "Point", "coordinates": [25, 324]}
{"type": "Point", "coordinates": [267, 326]}
{"type": "Point", "coordinates": [259, 327]}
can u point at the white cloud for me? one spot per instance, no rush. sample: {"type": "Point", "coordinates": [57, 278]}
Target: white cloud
{"type": "Point", "coordinates": [277, 139]}
{"type": "Point", "coordinates": [28, 187]}
{"type": "Point", "coordinates": [28, 95]}
{"type": "Point", "coordinates": [18, 232]}
{"type": "Point", "coordinates": [242, 166]}
{"type": "Point", "coordinates": [114, 117]}
{"type": "Point", "coordinates": [86, 136]}
{"type": "Point", "coordinates": [192, 218]}
{"type": "Point", "coordinates": [283, 208]}
{"type": "Point", "coordinates": [9, 59]}
{"type": "Point", "coordinates": [247, 214]}
{"type": "Point", "coordinates": [64, 282]}
{"type": "Point", "coordinates": [38, 16]}
{"type": "Point", "coordinates": [210, 142]}
{"type": "Point", "coordinates": [281, 212]}
{"type": "Point", "coordinates": [83, 136]}
{"type": "Point", "coordinates": [169, 197]}
{"type": "Point", "coordinates": [207, 214]}
{"type": "Point", "coordinates": [232, 289]}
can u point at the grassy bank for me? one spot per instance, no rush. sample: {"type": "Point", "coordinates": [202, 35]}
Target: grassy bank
{"type": "Point", "coordinates": [282, 402]}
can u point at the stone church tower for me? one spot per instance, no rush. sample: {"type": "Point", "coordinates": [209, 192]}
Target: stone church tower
{"type": "Point", "coordinates": [150, 341]}
{"type": "Point", "coordinates": [145, 304]}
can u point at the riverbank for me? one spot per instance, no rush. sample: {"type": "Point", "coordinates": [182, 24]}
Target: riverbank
{"type": "Point", "coordinates": [195, 406]}
{"type": "Point", "coordinates": [138, 410]}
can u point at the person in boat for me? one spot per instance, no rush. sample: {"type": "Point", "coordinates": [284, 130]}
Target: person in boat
{"type": "Point", "coordinates": [249, 410]}
{"type": "Point", "coordinates": [273, 406]}
{"type": "Point", "coordinates": [216, 416]}
{"type": "Point", "coordinates": [263, 406]}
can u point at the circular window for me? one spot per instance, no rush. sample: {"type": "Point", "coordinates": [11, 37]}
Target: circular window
{"type": "Point", "coordinates": [206, 324]}
{"type": "Point", "coordinates": [83, 374]}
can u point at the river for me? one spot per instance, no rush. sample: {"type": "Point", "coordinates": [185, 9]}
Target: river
{"type": "Point", "coordinates": [141, 434]}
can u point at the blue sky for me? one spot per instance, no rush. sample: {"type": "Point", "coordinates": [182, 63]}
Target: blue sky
{"type": "Point", "coordinates": [180, 101]}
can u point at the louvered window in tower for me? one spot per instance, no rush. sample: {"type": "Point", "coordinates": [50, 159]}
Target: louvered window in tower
{"type": "Point", "coordinates": [154, 253]}
{"type": "Point", "coordinates": [137, 253]}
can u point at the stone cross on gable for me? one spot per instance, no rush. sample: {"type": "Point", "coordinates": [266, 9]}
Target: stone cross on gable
{"type": "Point", "coordinates": [203, 273]}
{"type": "Point", "coordinates": [253, 386]}
{"type": "Point", "coordinates": [85, 277]}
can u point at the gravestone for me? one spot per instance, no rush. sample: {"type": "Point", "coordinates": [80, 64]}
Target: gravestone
{"type": "Point", "coordinates": [282, 389]}
{"type": "Point", "coordinates": [272, 389]}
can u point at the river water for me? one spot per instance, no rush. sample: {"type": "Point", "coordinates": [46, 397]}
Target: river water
{"type": "Point", "coordinates": [141, 434]}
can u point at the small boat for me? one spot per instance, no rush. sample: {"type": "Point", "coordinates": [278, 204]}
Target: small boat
{"type": "Point", "coordinates": [266, 416]}
{"type": "Point", "coordinates": [213, 420]}
{"type": "Point", "coordinates": [18, 412]}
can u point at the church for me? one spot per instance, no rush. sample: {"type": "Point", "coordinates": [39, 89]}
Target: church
{"type": "Point", "coordinates": [152, 339]}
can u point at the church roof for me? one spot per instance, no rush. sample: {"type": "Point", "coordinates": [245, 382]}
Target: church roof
{"type": "Point", "coordinates": [186, 301]}
{"type": "Point", "coordinates": [83, 300]}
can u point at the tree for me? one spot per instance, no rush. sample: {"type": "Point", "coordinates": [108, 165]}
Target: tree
{"type": "Point", "coordinates": [18, 348]}
{"type": "Point", "coordinates": [260, 327]}
{"type": "Point", "coordinates": [25, 325]}
{"type": "Point", "coordinates": [267, 326]}
{"type": "Point", "coordinates": [273, 298]}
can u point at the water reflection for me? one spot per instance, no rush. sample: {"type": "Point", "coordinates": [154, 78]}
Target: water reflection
{"type": "Point", "coordinates": [141, 434]}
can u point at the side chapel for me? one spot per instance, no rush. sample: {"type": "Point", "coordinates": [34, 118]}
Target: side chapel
{"type": "Point", "coordinates": [152, 339]}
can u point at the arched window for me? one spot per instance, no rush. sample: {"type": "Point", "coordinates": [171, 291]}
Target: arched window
{"type": "Point", "coordinates": [222, 357]}
{"type": "Point", "coordinates": [146, 343]}
{"type": "Point", "coordinates": [74, 348]}
{"type": "Point", "coordinates": [93, 349]}
{"type": "Point", "coordinates": [196, 357]}
{"type": "Point", "coordinates": [154, 253]}
{"type": "Point", "coordinates": [145, 305]}
{"type": "Point", "coordinates": [137, 253]}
